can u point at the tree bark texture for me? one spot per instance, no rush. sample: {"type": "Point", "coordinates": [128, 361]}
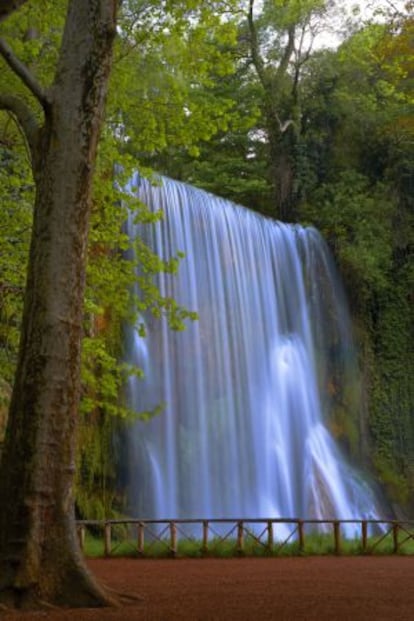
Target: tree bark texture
{"type": "Point", "coordinates": [281, 170]}
{"type": "Point", "coordinates": [40, 560]}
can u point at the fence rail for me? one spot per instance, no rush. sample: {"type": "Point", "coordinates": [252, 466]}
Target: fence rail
{"type": "Point", "coordinates": [271, 536]}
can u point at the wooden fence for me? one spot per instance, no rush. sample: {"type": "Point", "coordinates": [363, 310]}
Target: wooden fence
{"type": "Point", "coordinates": [145, 538]}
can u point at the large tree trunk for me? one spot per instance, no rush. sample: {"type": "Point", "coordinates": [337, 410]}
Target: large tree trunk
{"type": "Point", "coordinates": [40, 560]}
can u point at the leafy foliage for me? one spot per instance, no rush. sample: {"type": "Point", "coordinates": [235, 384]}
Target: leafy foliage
{"type": "Point", "coordinates": [358, 190]}
{"type": "Point", "coordinates": [355, 219]}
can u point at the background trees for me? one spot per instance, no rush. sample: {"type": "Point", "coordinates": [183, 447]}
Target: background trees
{"type": "Point", "coordinates": [361, 155]}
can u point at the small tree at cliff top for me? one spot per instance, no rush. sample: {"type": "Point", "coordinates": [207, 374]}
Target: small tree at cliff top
{"type": "Point", "coordinates": [39, 556]}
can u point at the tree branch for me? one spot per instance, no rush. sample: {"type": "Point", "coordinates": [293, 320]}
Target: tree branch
{"type": "Point", "coordinates": [24, 116]}
{"type": "Point", "coordinates": [23, 73]}
{"type": "Point", "coordinates": [287, 54]}
{"type": "Point", "coordinates": [9, 6]}
{"type": "Point", "coordinates": [269, 82]}
{"type": "Point", "coordinates": [254, 47]}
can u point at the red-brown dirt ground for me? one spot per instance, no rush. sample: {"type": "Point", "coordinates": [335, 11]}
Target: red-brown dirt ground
{"type": "Point", "coordinates": [279, 589]}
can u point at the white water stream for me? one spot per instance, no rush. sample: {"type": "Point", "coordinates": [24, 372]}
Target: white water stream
{"type": "Point", "coordinates": [244, 431]}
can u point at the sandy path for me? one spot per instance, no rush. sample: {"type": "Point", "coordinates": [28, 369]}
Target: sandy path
{"type": "Point", "coordinates": [279, 589]}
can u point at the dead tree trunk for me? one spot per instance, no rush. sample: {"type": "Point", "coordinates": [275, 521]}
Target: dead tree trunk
{"type": "Point", "coordinates": [40, 560]}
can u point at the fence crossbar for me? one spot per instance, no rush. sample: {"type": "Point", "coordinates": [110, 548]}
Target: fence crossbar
{"type": "Point", "coordinates": [185, 535]}
{"type": "Point", "coordinates": [286, 541]}
{"type": "Point", "coordinates": [376, 543]}
{"type": "Point", "coordinates": [123, 540]}
{"type": "Point", "coordinates": [256, 538]}
{"type": "Point", "coordinates": [221, 538]}
{"type": "Point", "coordinates": [409, 536]}
{"type": "Point", "coordinates": [119, 543]}
{"type": "Point", "coordinates": [158, 537]}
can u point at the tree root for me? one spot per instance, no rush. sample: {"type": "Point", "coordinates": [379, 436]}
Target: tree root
{"type": "Point", "coordinates": [44, 605]}
{"type": "Point", "coordinates": [125, 595]}
{"type": "Point", "coordinates": [84, 595]}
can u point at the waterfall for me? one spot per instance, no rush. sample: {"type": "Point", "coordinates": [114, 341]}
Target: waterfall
{"type": "Point", "coordinates": [247, 387]}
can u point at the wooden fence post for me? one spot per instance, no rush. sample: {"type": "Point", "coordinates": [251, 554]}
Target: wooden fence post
{"type": "Point", "coordinates": [337, 536]}
{"type": "Point", "coordinates": [204, 545]}
{"type": "Point", "coordinates": [141, 538]}
{"type": "Point", "coordinates": [240, 538]}
{"type": "Point", "coordinates": [364, 534]}
{"type": "Point", "coordinates": [270, 535]}
{"type": "Point", "coordinates": [173, 538]}
{"type": "Point", "coordinates": [395, 529]}
{"type": "Point", "coordinates": [301, 535]}
{"type": "Point", "coordinates": [107, 539]}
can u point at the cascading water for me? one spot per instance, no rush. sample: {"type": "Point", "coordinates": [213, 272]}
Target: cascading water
{"type": "Point", "coordinates": [244, 428]}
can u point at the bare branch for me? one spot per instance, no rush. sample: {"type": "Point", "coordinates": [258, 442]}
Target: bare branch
{"type": "Point", "coordinates": [8, 7]}
{"type": "Point", "coordinates": [24, 117]}
{"type": "Point", "coordinates": [23, 73]}
{"type": "Point", "coordinates": [397, 12]}
{"type": "Point", "coordinates": [284, 126]}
